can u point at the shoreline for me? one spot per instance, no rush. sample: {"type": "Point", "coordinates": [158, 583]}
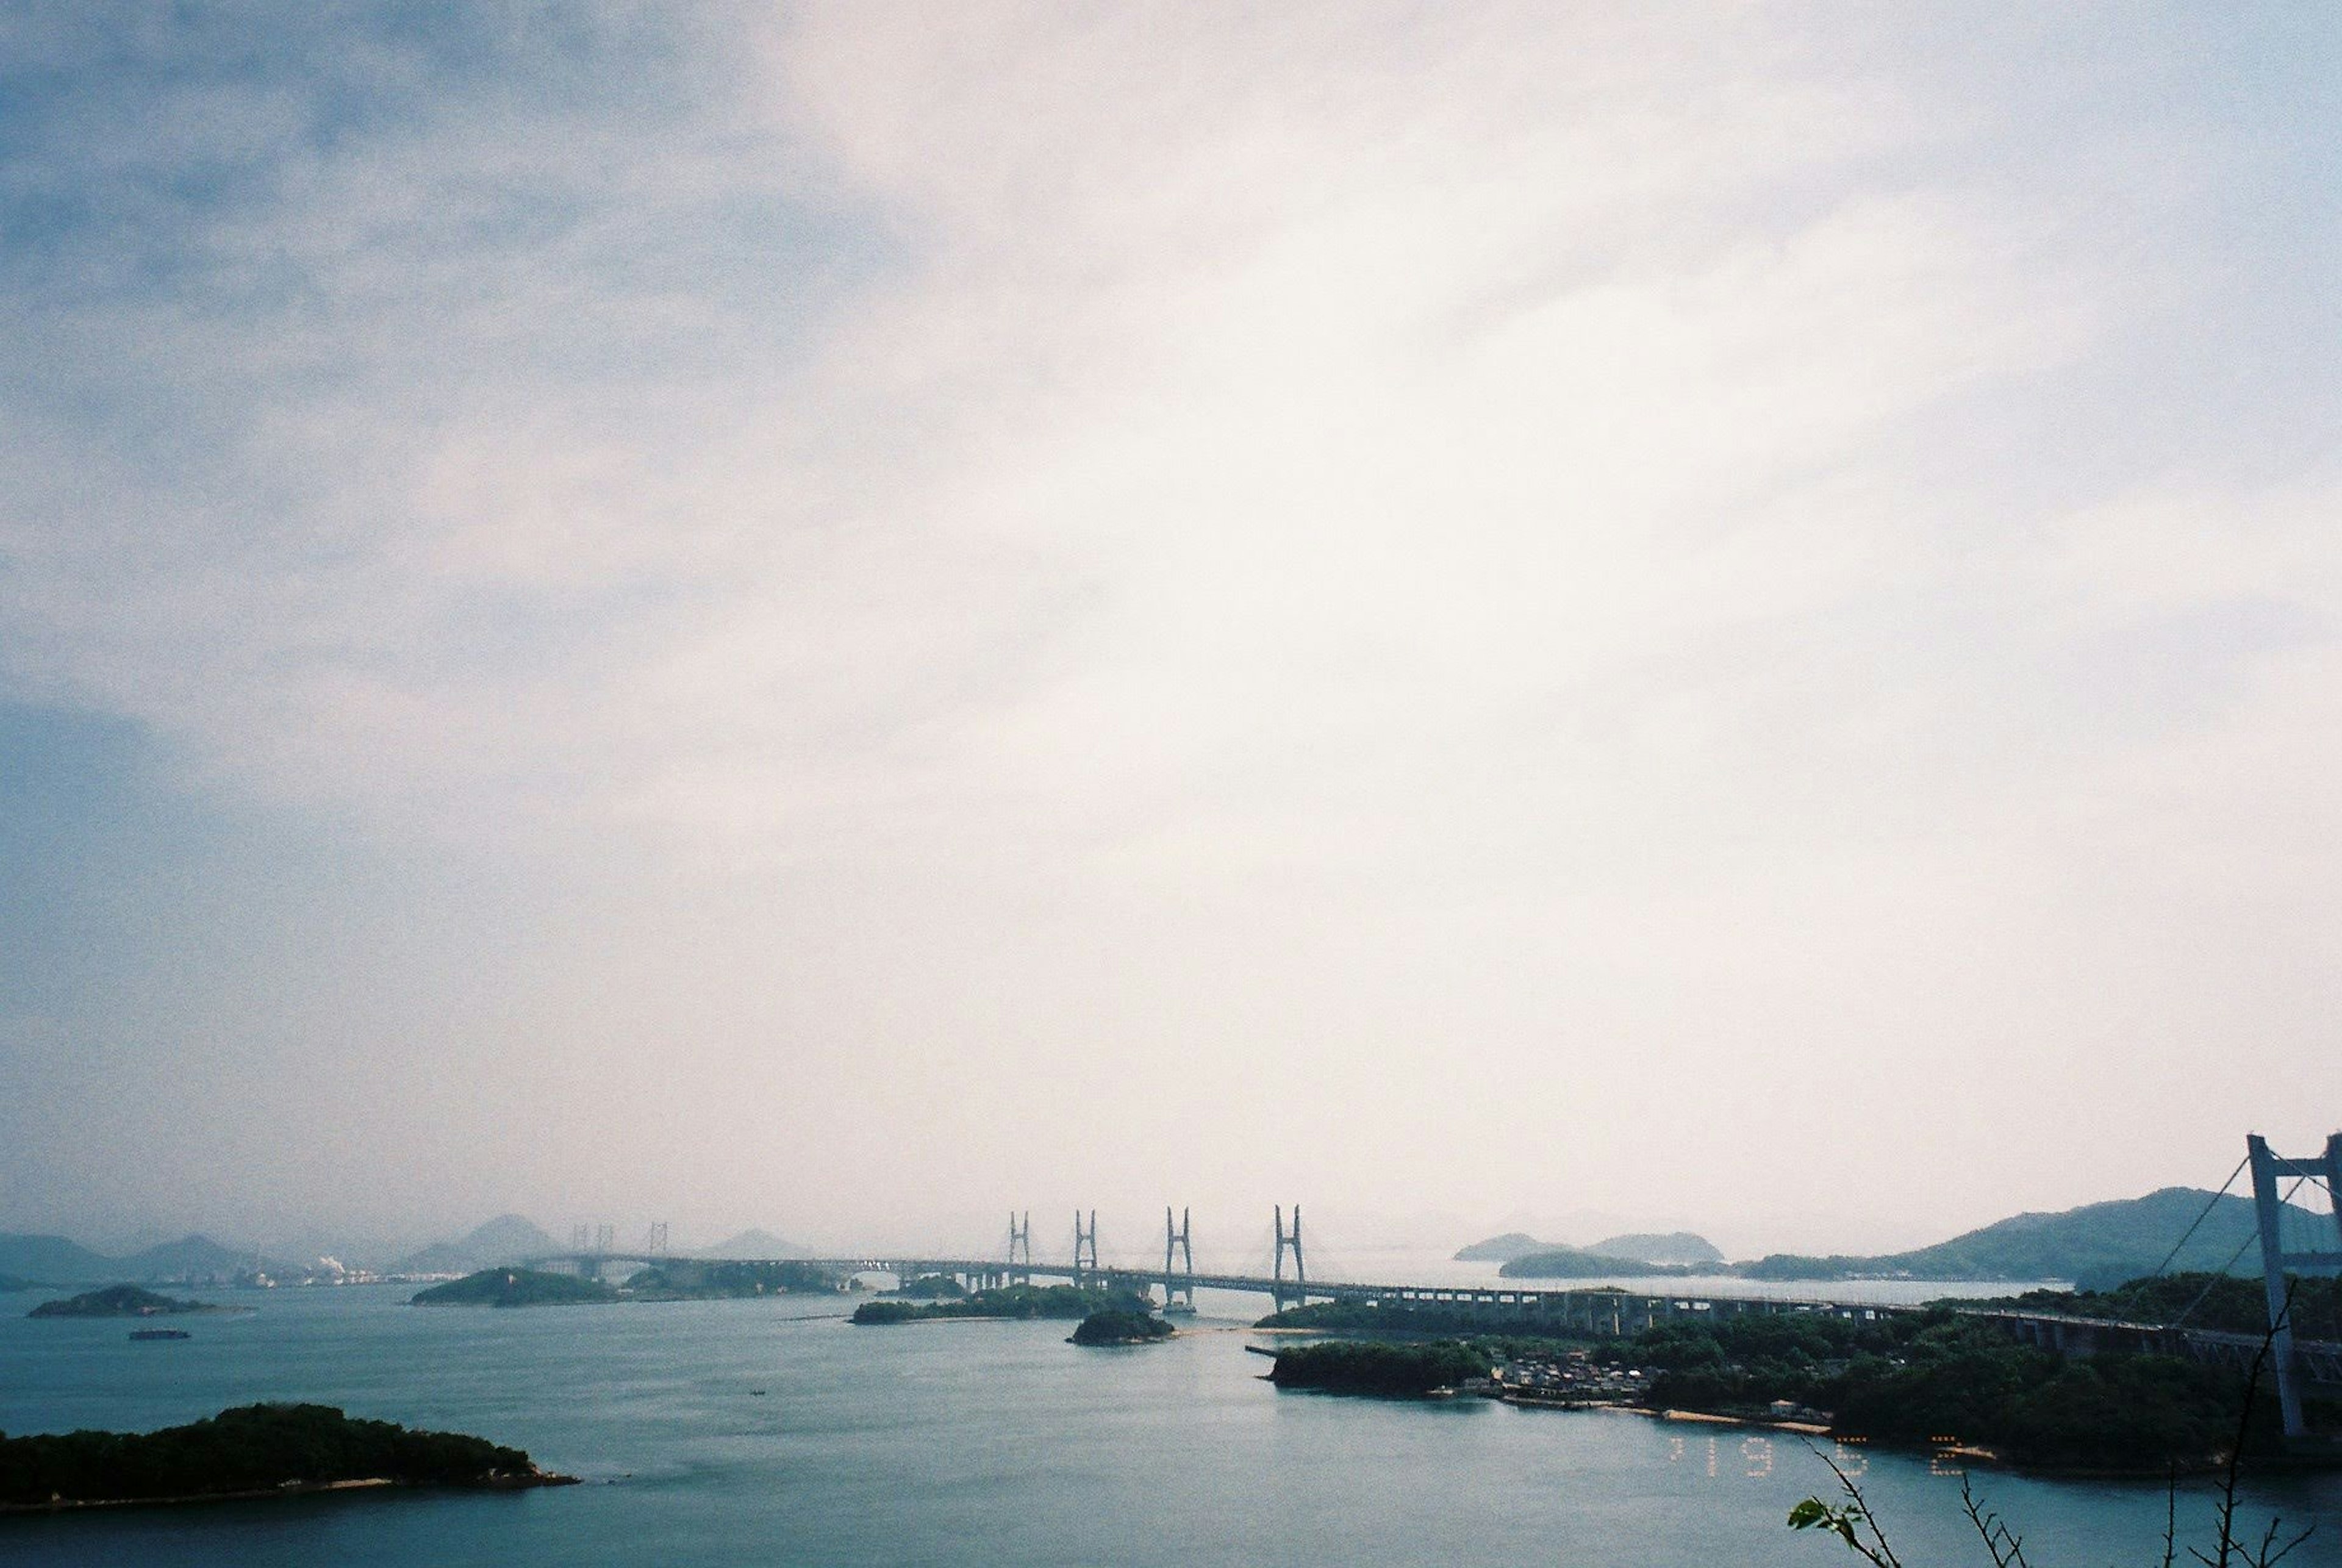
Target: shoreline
{"type": "Point", "coordinates": [529, 1483]}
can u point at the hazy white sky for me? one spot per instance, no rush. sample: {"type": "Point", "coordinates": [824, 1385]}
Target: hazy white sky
{"type": "Point", "coordinates": [840, 618]}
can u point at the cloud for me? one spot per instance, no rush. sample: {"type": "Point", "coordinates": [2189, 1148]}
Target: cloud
{"type": "Point", "coordinates": [1626, 544]}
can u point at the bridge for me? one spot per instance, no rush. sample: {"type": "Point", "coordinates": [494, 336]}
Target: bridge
{"type": "Point", "coordinates": [1525, 1309]}
{"type": "Point", "coordinates": [2300, 1364]}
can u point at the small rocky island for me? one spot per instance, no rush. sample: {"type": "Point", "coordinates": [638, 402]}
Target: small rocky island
{"type": "Point", "coordinates": [255, 1450]}
{"type": "Point", "coordinates": [1118, 1325]}
{"type": "Point", "coordinates": [121, 1301]}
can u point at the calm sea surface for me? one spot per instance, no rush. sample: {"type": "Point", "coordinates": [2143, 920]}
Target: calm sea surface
{"type": "Point", "coordinates": [965, 1443]}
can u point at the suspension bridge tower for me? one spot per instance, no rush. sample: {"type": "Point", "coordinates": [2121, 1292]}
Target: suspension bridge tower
{"type": "Point", "coordinates": [1179, 1284]}
{"type": "Point", "coordinates": [1020, 1249]}
{"type": "Point", "coordinates": [2269, 1207]}
{"type": "Point", "coordinates": [1300, 1293]}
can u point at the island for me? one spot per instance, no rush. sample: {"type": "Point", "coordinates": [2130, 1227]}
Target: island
{"type": "Point", "coordinates": [516, 1288]}
{"type": "Point", "coordinates": [1572, 1263]}
{"type": "Point", "coordinates": [931, 1287]}
{"type": "Point", "coordinates": [1390, 1371]}
{"type": "Point", "coordinates": [256, 1451]}
{"type": "Point", "coordinates": [1940, 1376]}
{"type": "Point", "coordinates": [695, 1279]}
{"type": "Point", "coordinates": [1633, 1254]}
{"type": "Point", "coordinates": [1006, 1301]}
{"type": "Point", "coordinates": [1923, 1377]}
{"type": "Point", "coordinates": [120, 1301]}
{"type": "Point", "coordinates": [1118, 1325]}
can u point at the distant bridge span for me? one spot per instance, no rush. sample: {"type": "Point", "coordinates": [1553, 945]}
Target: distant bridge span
{"type": "Point", "coordinates": [1499, 1307]}
{"type": "Point", "coordinates": [1589, 1311]}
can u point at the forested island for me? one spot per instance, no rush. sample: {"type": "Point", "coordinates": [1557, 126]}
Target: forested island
{"type": "Point", "coordinates": [697, 1279]}
{"type": "Point", "coordinates": [677, 1280]}
{"type": "Point", "coordinates": [1119, 1325]}
{"type": "Point", "coordinates": [516, 1288]}
{"type": "Point", "coordinates": [121, 1301]}
{"type": "Point", "coordinates": [1919, 1377]}
{"type": "Point", "coordinates": [1024, 1301]}
{"type": "Point", "coordinates": [932, 1287]}
{"type": "Point", "coordinates": [1393, 1370]}
{"type": "Point", "coordinates": [256, 1451]}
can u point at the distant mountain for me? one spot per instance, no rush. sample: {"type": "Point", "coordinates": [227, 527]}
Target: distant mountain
{"type": "Point", "coordinates": [1678, 1247]}
{"type": "Point", "coordinates": [2095, 1246]}
{"type": "Point", "coordinates": [1578, 1264]}
{"type": "Point", "coordinates": [757, 1245]}
{"type": "Point", "coordinates": [10, 1283]}
{"type": "Point", "coordinates": [507, 1239]}
{"type": "Point", "coordinates": [1504, 1249]}
{"type": "Point", "coordinates": [1575, 1265]}
{"type": "Point", "coordinates": [510, 1237]}
{"type": "Point", "coordinates": [191, 1260]}
{"type": "Point", "coordinates": [55, 1261]}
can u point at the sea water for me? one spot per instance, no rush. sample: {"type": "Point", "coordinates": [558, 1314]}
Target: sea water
{"type": "Point", "coordinates": [773, 1432]}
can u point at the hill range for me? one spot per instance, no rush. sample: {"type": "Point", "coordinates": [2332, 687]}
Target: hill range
{"type": "Point", "coordinates": [29, 1262]}
{"type": "Point", "coordinates": [2095, 1247]}
{"type": "Point", "coordinates": [56, 1261]}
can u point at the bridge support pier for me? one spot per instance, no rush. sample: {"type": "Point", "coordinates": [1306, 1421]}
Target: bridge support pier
{"type": "Point", "coordinates": [1177, 1242]}
{"type": "Point", "coordinates": [1300, 1272]}
{"type": "Point", "coordinates": [2268, 1208]}
{"type": "Point", "coordinates": [1020, 1242]}
{"type": "Point", "coordinates": [1082, 1238]}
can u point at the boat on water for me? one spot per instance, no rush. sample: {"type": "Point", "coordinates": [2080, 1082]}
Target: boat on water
{"type": "Point", "coordinates": [160, 1334]}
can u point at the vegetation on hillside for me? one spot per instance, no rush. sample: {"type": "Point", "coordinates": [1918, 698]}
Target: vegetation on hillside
{"type": "Point", "coordinates": [119, 1301]}
{"type": "Point", "coordinates": [1119, 1325]}
{"type": "Point", "coordinates": [2095, 1246]}
{"type": "Point", "coordinates": [1674, 1247]}
{"type": "Point", "coordinates": [259, 1448]}
{"type": "Point", "coordinates": [1008, 1301]}
{"type": "Point", "coordinates": [1919, 1377]}
{"type": "Point", "coordinates": [1923, 1377]}
{"type": "Point", "coordinates": [1361, 1366]}
{"type": "Point", "coordinates": [1404, 1318]}
{"type": "Point", "coordinates": [694, 1279]}
{"type": "Point", "coordinates": [933, 1287]}
{"type": "Point", "coordinates": [2223, 1303]}
{"type": "Point", "coordinates": [516, 1288]}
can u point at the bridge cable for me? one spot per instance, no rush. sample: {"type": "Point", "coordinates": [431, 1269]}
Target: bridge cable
{"type": "Point", "coordinates": [2201, 1217]}
{"type": "Point", "coordinates": [2222, 1272]}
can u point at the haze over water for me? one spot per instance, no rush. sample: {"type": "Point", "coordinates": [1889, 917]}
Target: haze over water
{"type": "Point", "coordinates": [962, 1444]}
{"type": "Point", "coordinates": [833, 617]}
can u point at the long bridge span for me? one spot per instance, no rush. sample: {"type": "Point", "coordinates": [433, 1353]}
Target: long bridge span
{"type": "Point", "coordinates": [2300, 1364]}
{"type": "Point", "coordinates": [1523, 1308]}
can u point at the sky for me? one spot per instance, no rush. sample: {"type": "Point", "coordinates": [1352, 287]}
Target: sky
{"type": "Point", "coordinates": [849, 617]}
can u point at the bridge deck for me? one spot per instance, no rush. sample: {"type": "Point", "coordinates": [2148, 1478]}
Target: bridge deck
{"type": "Point", "coordinates": [1622, 1310]}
